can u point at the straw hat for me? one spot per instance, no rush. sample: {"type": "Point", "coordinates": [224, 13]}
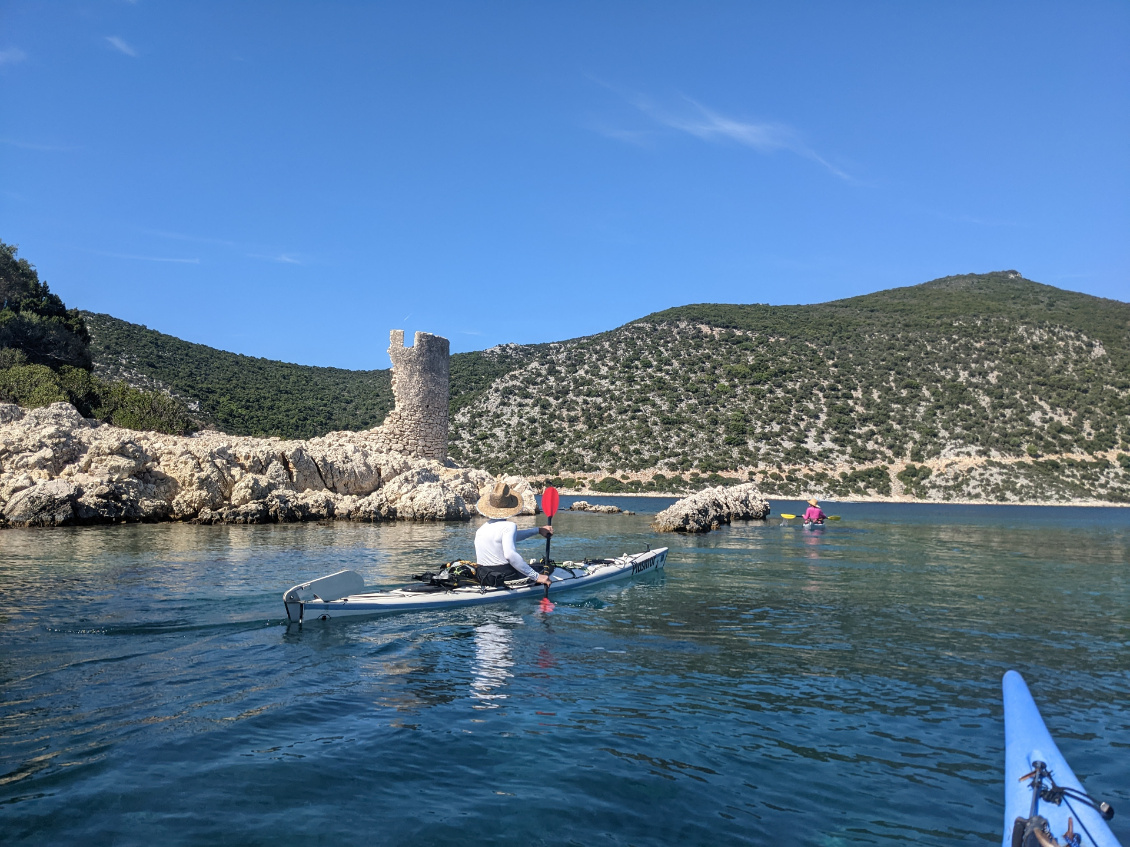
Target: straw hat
{"type": "Point", "coordinates": [499, 501]}
{"type": "Point", "coordinates": [813, 503]}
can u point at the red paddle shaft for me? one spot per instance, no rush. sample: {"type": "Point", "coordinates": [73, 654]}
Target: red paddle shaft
{"type": "Point", "coordinates": [549, 500]}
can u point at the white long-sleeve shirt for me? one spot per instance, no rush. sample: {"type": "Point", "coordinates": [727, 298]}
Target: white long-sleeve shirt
{"type": "Point", "coordinates": [494, 545]}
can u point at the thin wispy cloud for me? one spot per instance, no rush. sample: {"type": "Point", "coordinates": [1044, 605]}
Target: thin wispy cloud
{"type": "Point", "coordinates": [174, 260]}
{"type": "Point", "coordinates": [639, 137]}
{"type": "Point", "coordinates": [264, 252]}
{"type": "Point", "coordinates": [42, 148]}
{"type": "Point", "coordinates": [706, 124]}
{"type": "Point", "coordinates": [965, 217]}
{"type": "Point", "coordinates": [183, 236]}
{"type": "Point", "coordinates": [12, 55]}
{"type": "Point", "coordinates": [120, 45]}
{"type": "Point", "coordinates": [981, 221]}
{"type": "Point", "coordinates": [284, 258]}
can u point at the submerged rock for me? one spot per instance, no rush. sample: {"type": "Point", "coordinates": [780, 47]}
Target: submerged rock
{"type": "Point", "coordinates": [712, 508]}
{"type": "Point", "coordinates": [58, 469]}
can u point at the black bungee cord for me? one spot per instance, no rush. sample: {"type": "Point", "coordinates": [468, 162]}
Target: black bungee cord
{"type": "Point", "coordinates": [1034, 832]}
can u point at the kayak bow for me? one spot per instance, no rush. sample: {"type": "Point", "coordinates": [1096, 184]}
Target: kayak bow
{"type": "Point", "coordinates": [1043, 800]}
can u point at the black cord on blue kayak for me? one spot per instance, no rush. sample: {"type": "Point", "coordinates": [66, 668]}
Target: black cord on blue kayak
{"type": "Point", "coordinates": [1033, 831]}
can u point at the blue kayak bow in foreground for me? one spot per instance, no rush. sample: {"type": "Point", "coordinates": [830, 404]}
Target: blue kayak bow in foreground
{"type": "Point", "coordinates": [1044, 804]}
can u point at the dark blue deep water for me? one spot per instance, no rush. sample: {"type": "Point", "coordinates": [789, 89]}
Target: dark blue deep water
{"type": "Point", "coordinates": [773, 686]}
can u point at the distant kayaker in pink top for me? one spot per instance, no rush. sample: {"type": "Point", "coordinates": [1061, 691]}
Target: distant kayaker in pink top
{"type": "Point", "coordinates": [814, 514]}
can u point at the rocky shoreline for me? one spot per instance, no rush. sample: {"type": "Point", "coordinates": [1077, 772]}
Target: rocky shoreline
{"type": "Point", "coordinates": [60, 469]}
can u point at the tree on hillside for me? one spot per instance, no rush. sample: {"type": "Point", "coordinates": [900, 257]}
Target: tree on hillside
{"type": "Point", "coordinates": [35, 326]}
{"type": "Point", "coordinates": [45, 358]}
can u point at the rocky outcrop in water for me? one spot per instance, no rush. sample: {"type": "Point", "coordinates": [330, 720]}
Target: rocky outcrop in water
{"type": "Point", "coordinates": [58, 469]}
{"type": "Point", "coordinates": [713, 507]}
{"type": "Point", "coordinates": [586, 506]}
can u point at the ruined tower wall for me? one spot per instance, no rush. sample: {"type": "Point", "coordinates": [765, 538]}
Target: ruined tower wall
{"type": "Point", "coordinates": [421, 389]}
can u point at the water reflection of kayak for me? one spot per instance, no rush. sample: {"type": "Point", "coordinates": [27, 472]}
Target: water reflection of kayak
{"type": "Point", "coordinates": [343, 594]}
{"type": "Point", "coordinates": [1044, 804]}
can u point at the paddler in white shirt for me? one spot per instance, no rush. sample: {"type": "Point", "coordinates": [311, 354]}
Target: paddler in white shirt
{"type": "Point", "coordinates": [495, 540]}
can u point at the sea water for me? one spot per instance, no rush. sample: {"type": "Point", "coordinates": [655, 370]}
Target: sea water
{"type": "Point", "coordinates": [774, 685]}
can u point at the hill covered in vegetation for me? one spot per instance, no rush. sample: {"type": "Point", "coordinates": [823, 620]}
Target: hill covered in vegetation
{"type": "Point", "coordinates": [241, 395]}
{"type": "Point", "coordinates": [980, 385]}
{"type": "Point", "coordinates": [959, 386]}
{"type": "Point", "coordinates": [45, 357]}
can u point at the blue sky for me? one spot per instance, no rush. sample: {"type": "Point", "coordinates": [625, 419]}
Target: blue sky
{"type": "Point", "coordinates": [292, 180]}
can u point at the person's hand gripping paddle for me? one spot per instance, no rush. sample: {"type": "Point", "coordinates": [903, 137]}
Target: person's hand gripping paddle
{"type": "Point", "coordinates": [549, 500]}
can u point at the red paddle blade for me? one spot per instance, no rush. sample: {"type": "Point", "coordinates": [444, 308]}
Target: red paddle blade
{"type": "Point", "coordinates": [549, 500]}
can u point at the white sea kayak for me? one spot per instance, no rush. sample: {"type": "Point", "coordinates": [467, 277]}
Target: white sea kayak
{"type": "Point", "coordinates": [343, 594]}
{"type": "Point", "coordinates": [1043, 801]}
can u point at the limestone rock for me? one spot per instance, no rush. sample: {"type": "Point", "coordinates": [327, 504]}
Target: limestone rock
{"type": "Point", "coordinates": [57, 468]}
{"type": "Point", "coordinates": [344, 467]}
{"type": "Point", "coordinates": [114, 456]}
{"type": "Point", "coordinates": [50, 503]}
{"type": "Point", "coordinates": [43, 441]}
{"type": "Point", "coordinates": [110, 501]}
{"type": "Point", "coordinates": [432, 501]}
{"type": "Point", "coordinates": [713, 507]}
{"type": "Point", "coordinates": [467, 483]}
{"type": "Point", "coordinates": [13, 484]}
{"type": "Point", "coordinates": [373, 508]}
{"type": "Point", "coordinates": [251, 487]}
{"type": "Point", "coordinates": [316, 505]}
{"type": "Point", "coordinates": [585, 506]}
{"type": "Point", "coordinates": [278, 476]}
{"type": "Point", "coordinates": [10, 412]}
{"type": "Point", "coordinates": [404, 483]}
{"type": "Point", "coordinates": [303, 470]}
{"type": "Point", "coordinates": [282, 507]}
{"type": "Point", "coordinates": [248, 513]}
{"type": "Point", "coordinates": [425, 492]}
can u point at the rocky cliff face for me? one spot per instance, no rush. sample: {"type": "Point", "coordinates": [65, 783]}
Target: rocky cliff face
{"type": "Point", "coordinates": [58, 468]}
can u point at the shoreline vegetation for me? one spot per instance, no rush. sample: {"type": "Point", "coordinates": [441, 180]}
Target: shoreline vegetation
{"type": "Point", "coordinates": [910, 501]}
{"type": "Point", "coordinates": [937, 481]}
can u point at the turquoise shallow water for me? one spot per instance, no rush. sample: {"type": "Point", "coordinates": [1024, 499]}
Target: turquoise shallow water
{"type": "Point", "coordinates": [773, 686]}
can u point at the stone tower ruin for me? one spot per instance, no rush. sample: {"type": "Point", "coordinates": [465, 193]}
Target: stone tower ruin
{"type": "Point", "coordinates": [421, 389]}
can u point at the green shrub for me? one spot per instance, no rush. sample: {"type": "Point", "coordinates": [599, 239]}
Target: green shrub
{"type": "Point", "coordinates": [33, 386]}
{"type": "Point", "coordinates": [609, 485]}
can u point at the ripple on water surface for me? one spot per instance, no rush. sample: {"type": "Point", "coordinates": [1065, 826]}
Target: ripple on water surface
{"type": "Point", "coordinates": [771, 686]}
